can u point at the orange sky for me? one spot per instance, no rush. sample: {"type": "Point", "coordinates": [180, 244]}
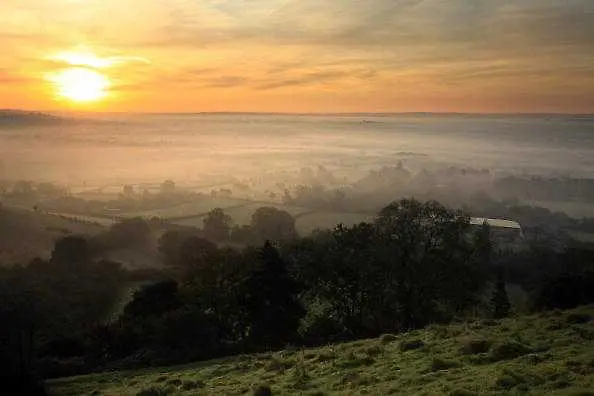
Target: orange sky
{"type": "Point", "coordinates": [298, 55]}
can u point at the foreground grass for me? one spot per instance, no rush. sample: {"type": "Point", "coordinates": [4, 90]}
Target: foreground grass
{"type": "Point", "coordinates": [550, 353]}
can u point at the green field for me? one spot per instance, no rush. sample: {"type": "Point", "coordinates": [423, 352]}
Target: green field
{"type": "Point", "coordinates": [546, 354]}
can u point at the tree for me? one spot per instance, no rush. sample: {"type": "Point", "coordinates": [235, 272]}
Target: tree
{"type": "Point", "coordinates": [170, 243]}
{"type": "Point", "coordinates": [123, 234]}
{"type": "Point", "coordinates": [153, 300]}
{"type": "Point", "coordinates": [500, 304]}
{"type": "Point", "coordinates": [425, 249]}
{"type": "Point", "coordinates": [270, 299]}
{"type": "Point", "coordinates": [71, 252]}
{"type": "Point", "coordinates": [128, 191]}
{"type": "Point", "coordinates": [168, 187]}
{"type": "Point", "coordinates": [217, 225]}
{"type": "Point", "coordinates": [272, 224]}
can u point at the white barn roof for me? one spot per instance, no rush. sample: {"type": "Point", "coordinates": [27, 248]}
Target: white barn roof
{"type": "Point", "coordinates": [496, 223]}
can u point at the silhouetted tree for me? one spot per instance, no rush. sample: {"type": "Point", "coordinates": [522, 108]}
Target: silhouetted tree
{"type": "Point", "coordinates": [272, 224]}
{"type": "Point", "coordinates": [168, 187]}
{"type": "Point", "coordinates": [71, 252]}
{"type": "Point", "coordinates": [170, 243]}
{"type": "Point", "coordinates": [270, 299]}
{"type": "Point", "coordinates": [217, 225]}
{"type": "Point", "coordinates": [153, 300]}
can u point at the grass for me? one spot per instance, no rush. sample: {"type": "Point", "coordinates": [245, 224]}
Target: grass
{"type": "Point", "coordinates": [550, 353]}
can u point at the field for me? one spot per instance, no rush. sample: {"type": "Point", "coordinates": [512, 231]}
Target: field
{"type": "Point", "coordinates": [25, 234]}
{"type": "Point", "coordinates": [550, 353]}
{"type": "Point", "coordinates": [194, 208]}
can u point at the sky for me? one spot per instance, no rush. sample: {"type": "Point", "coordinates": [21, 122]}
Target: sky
{"type": "Point", "coordinates": [298, 55]}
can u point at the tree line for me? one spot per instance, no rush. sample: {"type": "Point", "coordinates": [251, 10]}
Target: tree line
{"type": "Point", "coordinates": [418, 263]}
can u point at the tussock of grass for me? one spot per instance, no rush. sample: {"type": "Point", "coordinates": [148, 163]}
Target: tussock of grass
{"type": "Point", "coordinates": [388, 339]}
{"type": "Point", "coordinates": [155, 391]}
{"type": "Point", "coordinates": [473, 346]}
{"type": "Point", "coordinates": [578, 318]}
{"type": "Point", "coordinates": [508, 350]}
{"type": "Point", "coordinates": [410, 345]}
{"type": "Point", "coordinates": [440, 363]}
{"type": "Point", "coordinates": [262, 390]}
{"type": "Point", "coordinates": [511, 356]}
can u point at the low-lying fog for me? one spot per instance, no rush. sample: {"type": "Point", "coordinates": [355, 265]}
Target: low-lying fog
{"type": "Point", "coordinates": [208, 149]}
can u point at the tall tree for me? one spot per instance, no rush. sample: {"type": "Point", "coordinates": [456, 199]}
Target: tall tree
{"type": "Point", "coordinates": [270, 299]}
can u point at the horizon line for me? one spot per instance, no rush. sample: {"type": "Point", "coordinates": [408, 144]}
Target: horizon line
{"type": "Point", "coordinates": [357, 113]}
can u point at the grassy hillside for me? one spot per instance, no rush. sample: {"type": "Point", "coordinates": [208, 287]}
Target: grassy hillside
{"type": "Point", "coordinates": [550, 353]}
{"type": "Point", "coordinates": [25, 234]}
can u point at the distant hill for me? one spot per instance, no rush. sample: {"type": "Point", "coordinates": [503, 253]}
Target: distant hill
{"type": "Point", "coordinates": [14, 118]}
{"type": "Point", "coordinates": [551, 353]}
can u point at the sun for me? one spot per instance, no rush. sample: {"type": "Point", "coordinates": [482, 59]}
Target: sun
{"type": "Point", "coordinates": [80, 84]}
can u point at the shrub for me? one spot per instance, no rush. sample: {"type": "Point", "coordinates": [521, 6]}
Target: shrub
{"type": "Point", "coordinates": [374, 350]}
{"type": "Point", "coordinates": [411, 345]}
{"type": "Point", "coordinates": [188, 384]}
{"type": "Point", "coordinates": [351, 361]}
{"type": "Point", "coordinates": [174, 382]}
{"type": "Point", "coordinates": [325, 357]}
{"type": "Point", "coordinates": [473, 346]}
{"type": "Point", "coordinates": [279, 365]}
{"type": "Point", "coordinates": [438, 364]}
{"type": "Point", "coordinates": [154, 391]}
{"type": "Point", "coordinates": [509, 350]}
{"type": "Point", "coordinates": [506, 382]}
{"type": "Point", "coordinates": [578, 318]}
{"type": "Point", "coordinates": [387, 339]}
{"type": "Point", "coordinates": [463, 392]}
{"type": "Point", "coordinates": [262, 390]}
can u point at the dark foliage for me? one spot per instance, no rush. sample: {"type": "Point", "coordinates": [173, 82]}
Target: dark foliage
{"type": "Point", "coordinates": [500, 304]}
{"type": "Point", "coordinates": [417, 263]}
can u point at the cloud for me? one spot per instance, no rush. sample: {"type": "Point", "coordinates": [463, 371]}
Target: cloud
{"type": "Point", "coordinates": [392, 47]}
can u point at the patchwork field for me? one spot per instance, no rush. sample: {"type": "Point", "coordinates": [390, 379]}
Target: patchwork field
{"type": "Point", "coordinates": [550, 353]}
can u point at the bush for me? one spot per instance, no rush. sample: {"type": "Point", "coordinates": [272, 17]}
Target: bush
{"type": "Point", "coordinates": [188, 385]}
{"type": "Point", "coordinates": [262, 390]}
{"type": "Point", "coordinates": [411, 345]}
{"type": "Point", "coordinates": [578, 318]}
{"type": "Point", "coordinates": [506, 382]}
{"type": "Point", "coordinates": [387, 339]}
{"type": "Point", "coordinates": [474, 346]}
{"type": "Point", "coordinates": [174, 382]}
{"type": "Point", "coordinates": [155, 391]}
{"type": "Point", "coordinates": [509, 350]}
{"type": "Point", "coordinates": [279, 365]}
{"type": "Point", "coordinates": [374, 350]}
{"type": "Point", "coordinates": [463, 392]}
{"type": "Point", "coordinates": [438, 364]}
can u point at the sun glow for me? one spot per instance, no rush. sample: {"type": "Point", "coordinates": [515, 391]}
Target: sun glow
{"type": "Point", "coordinates": [80, 84]}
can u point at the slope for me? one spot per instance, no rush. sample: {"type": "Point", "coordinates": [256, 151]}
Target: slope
{"type": "Point", "coordinates": [548, 353]}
